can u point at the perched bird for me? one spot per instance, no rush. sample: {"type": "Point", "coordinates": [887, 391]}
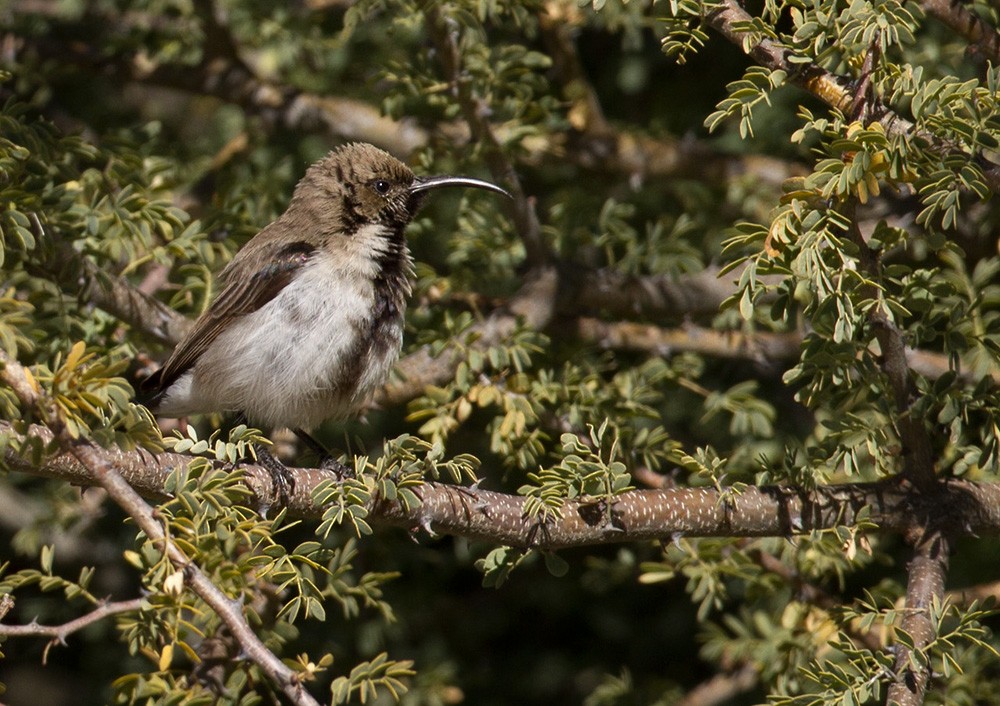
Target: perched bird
{"type": "Point", "coordinates": [309, 320]}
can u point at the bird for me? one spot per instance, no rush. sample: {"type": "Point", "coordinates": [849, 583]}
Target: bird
{"type": "Point", "coordinates": [308, 321]}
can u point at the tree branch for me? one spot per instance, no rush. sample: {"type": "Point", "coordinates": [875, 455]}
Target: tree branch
{"type": "Point", "coordinates": [961, 507]}
{"type": "Point", "coordinates": [918, 454]}
{"type": "Point", "coordinates": [59, 633]}
{"type": "Point", "coordinates": [612, 293]}
{"type": "Point", "coordinates": [586, 114]}
{"type": "Point", "coordinates": [925, 586]}
{"type": "Point", "coordinates": [722, 688]}
{"type": "Point", "coordinates": [766, 348]}
{"type": "Point", "coordinates": [832, 89]}
{"type": "Point", "coordinates": [961, 20]}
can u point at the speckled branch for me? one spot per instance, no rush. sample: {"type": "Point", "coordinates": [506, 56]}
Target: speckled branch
{"type": "Point", "coordinates": [960, 507]}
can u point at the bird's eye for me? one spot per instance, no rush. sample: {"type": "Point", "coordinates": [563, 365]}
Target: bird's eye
{"type": "Point", "coordinates": [381, 186]}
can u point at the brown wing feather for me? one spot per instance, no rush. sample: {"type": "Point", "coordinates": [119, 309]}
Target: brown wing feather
{"type": "Point", "coordinates": [239, 297]}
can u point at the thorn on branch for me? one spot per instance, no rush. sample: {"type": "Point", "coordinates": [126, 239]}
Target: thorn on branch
{"type": "Point", "coordinates": [865, 103]}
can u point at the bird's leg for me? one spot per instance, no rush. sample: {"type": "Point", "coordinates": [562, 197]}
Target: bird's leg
{"type": "Point", "coordinates": [282, 480]}
{"type": "Point", "coordinates": [326, 459]}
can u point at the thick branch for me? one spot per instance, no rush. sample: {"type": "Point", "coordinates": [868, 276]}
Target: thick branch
{"type": "Point", "coordinates": [918, 454]}
{"type": "Point", "coordinates": [959, 506]}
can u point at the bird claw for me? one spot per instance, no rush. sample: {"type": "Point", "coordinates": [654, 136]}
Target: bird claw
{"type": "Point", "coordinates": [338, 469]}
{"type": "Point", "coordinates": [282, 480]}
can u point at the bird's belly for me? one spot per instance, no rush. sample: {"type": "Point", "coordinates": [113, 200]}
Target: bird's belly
{"type": "Point", "coordinates": [311, 353]}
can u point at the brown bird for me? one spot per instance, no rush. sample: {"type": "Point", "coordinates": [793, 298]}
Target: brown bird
{"type": "Point", "coordinates": [309, 320]}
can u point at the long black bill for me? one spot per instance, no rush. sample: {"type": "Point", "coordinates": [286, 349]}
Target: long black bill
{"type": "Point", "coordinates": [427, 183]}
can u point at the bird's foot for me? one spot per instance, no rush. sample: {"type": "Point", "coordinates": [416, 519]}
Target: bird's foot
{"type": "Point", "coordinates": [338, 469]}
{"type": "Point", "coordinates": [282, 480]}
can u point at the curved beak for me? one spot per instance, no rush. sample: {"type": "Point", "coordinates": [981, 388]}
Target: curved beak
{"type": "Point", "coordinates": [421, 184]}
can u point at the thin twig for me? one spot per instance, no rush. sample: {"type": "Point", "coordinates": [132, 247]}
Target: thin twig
{"type": "Point", "coordinates": [729, 20]}
{"type": "Point", "coordinates": [443, 34]}
{"type": "Point", "coordinates": [99, 468]}
{"type": "Point", "coordinates": [59, 633]}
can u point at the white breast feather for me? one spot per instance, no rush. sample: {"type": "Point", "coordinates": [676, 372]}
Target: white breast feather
{"type": "Point", "coordinates": [285, 364]}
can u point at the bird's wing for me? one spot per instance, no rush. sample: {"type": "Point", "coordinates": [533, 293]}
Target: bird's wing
{"type": "Point", "coordinates": [244, 293]}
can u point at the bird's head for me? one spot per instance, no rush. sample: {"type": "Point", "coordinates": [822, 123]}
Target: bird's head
{"type": "Point", "coordinates": [364, 186]}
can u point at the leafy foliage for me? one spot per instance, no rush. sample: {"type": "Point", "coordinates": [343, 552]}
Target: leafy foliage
{"type": "Point", "coordinates": [143, 141]}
